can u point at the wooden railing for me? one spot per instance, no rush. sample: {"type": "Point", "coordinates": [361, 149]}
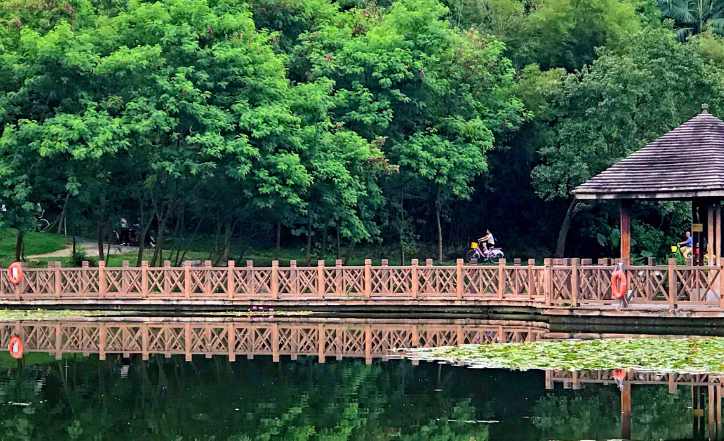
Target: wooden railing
{"type": "Point", "coordinates": [320, 338]}
{"type": "Point", "coordinates": [569, 282]}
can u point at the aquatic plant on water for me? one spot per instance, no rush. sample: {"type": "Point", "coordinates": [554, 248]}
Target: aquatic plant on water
{"type": "Point", "coordinates": [690, 355]}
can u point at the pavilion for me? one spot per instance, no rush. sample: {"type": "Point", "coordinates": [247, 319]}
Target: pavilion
{"type": "Point", "coordinates": [686, 164]}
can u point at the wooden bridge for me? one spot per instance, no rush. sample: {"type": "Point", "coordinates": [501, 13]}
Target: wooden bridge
{"type": "Point", "coordinates": [570, 286]}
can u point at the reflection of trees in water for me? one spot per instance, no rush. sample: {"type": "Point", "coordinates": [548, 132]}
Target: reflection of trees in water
{"type": "Point", "coordinates": [594, 412]}
{"type": "Point", "coordinates": [169, 399]}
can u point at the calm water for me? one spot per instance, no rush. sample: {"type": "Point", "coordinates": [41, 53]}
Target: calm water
{"type": "Point", "coordinates": [360, 397]}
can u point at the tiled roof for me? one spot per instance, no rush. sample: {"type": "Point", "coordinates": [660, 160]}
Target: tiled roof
{"type": "Point", "coordinates": [687, 162]}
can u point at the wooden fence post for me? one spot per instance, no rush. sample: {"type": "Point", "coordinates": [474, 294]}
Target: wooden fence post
{"type": "Point", "coordinates": [415, 282]}
{"type": "Point", "coordinates": [230, 284]}
{"type": "Point", "coordinates": [57, 280]}
{"type": "Point", "coordinates": [459, 280]}
{"type": "Point", "coordinates": [385, 276]}
{"type": "Point", "coordinates": [124, 277]}
{"type": "Point", "coordinates": [84, 278]}
{"type": "Point", "coordinates": [187, 279]}
{"type": "Point", "coordinates": [501, 278]}
{"type": "Point", "coordinates": [207, 278]}
{"type": "Point", "coordinates": [250, 278]}
{"type": "Point", "coordinates": [321, 289]}
{"type": "Point", "coordinates": [368, 277]}
{"type": "Point", "coordinates": [102, 278]}
{"type": "Point", "coordinates": [144, 280]}
{"type": "Point", "coordinates": [672, 283]}
{"type": "Point", "coordinates": [167, 277]}
{"type": "Point", "coordinates": [275, 279]}
{"type": "Point", "coordinates": [574, 281]}
{"type": "Point", "coordinates": [531, 278]}
{"type": "Point", "coordinates": [548, 281]}
{"type": "Point", "coordinates": [721, 282]}
{"type": "Point", "coordinates": [338, 277]}
{"type": "Point", "coordinates": [293, 278]}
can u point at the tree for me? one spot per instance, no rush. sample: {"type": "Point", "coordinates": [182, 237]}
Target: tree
{"type": "Point", "coordinates": [692, 18]}
{"type": "Point", "coordinates": [435, 96]}
{"type": "Point", "coordinates": [618, 105]}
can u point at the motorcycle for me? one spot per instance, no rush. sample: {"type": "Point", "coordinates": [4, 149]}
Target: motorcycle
{"type": "Point", "coordinates": [476, 253]}
{"type": "Point", "coordinates": [132, 236]}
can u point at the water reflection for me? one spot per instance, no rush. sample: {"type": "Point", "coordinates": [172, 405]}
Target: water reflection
{"type": "Point", "coordinates": [173, 381]}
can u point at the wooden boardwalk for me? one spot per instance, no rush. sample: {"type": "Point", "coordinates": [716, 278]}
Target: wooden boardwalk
{"type": "Point", "coordinates": [560, 287]}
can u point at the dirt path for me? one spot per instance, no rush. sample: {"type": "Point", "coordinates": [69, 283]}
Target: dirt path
{"type": "Point", "coordinates": [88, 247]}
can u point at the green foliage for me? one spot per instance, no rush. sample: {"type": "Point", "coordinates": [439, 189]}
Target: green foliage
{"type": "Point", "coordinates": [396, 122]}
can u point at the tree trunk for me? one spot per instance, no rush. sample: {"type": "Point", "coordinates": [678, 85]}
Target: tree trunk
{"type": "Point", "coordinates": [61, 219]}
{"type": "Point", "coordinates": [279, 236]}
{"type": "Point", "coordinates": [99, 232]}
{"type": "Point", "coordinates": [309, 239]}
{"type": "Point", "coordinates": [338, 240]}
{"type": "Point", "coordinates": [19, 245]}
{"type": "Point", "coordinates": [438, 210]}
{"type": "Point", "coordinates": [565, 227]}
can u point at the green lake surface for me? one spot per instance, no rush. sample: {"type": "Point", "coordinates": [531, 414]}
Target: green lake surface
{"type": "Point", "coordinates": [80, 397]}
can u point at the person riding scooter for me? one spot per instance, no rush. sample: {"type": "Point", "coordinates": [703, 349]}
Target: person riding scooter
{"type": "Point", "coordinates": [487, 241]}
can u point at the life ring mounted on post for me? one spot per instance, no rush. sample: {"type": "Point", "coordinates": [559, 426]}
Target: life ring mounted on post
{"type": "Point", "coordinates": [619, 284]}
{"type": "Point", "coordinates": [15, 347]}
{"type": "Point", "coordinates": [15, 273]}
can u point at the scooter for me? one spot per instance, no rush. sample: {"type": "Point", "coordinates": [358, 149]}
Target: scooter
{"type": "Point", "coordinates": [476, 253]}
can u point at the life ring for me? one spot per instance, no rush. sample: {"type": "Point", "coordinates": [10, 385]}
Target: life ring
{"type": "Point", "coordinates": [15, 347]}
{"type": "Point", "coordinates": [619, 284]}
{"type": "Point", "coordinates": [15, 273]}
{"type": "Point", "coordinates": [619, 374]}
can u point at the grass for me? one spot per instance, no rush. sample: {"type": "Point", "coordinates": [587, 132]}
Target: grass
{"type": "Point", "coordinates": [686, 355]}
{"type": "Point", "coordinates": [35, 243]}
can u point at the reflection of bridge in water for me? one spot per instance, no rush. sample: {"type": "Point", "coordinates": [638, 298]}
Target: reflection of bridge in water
{"type": "Point", "coordinates": [346, 338]}
{"type": "Point", "coordinates": [321, 338]}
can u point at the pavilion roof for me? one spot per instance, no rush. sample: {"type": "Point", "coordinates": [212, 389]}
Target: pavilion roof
{"type": "Point", "coordinates": [686, 163]}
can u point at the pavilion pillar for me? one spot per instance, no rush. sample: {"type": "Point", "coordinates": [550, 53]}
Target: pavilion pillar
{"type": "Point", "coordinates": [717, 231]}
{"type": "Point", "coordinates": [710, 239]}
{"type": "Point", "coordinates": [625, 215]}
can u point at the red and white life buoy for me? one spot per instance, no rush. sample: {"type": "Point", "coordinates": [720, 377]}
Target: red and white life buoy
{"type": "Point", "coordinates": [15, 347]}
{"type": "Point", "coordinates": [619, 284]}
{"type": "Point", "coordinates": [619, 374]}
{"type": "Point", "coordinates": [15, 273]}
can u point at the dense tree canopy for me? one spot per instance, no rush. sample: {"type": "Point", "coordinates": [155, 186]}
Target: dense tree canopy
{"type": "Point", "coordinates": [396, 123]}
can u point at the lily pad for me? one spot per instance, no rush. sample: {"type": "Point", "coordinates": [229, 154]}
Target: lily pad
{"type": "Point", "coordinates": [686, 355]}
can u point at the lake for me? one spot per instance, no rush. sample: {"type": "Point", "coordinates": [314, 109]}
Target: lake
{"type": "Point", "coordinates": [300, 378]}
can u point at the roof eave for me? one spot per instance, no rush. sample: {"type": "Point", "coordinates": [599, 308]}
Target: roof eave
{"type": "Point", "coordinates": [658, 195]}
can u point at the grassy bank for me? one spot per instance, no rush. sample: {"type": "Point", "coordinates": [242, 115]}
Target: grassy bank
{"type": "Point", "coordinates": [34, 243]}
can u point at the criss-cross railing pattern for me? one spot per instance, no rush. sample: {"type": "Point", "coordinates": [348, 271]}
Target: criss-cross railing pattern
{"type": "Point", "coordinates": [559, 283]}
